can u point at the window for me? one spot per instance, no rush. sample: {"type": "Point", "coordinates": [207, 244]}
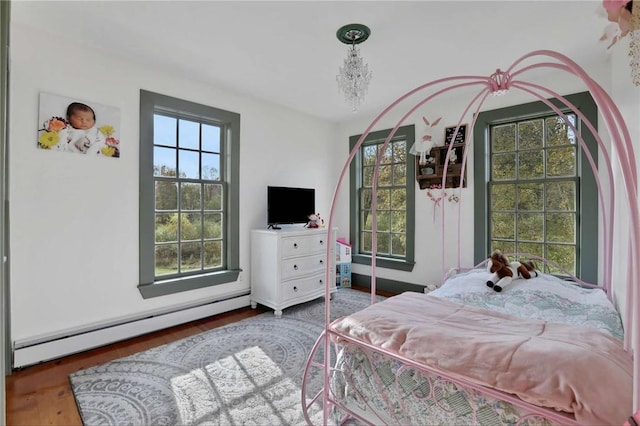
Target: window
{"type": "Point", "coordinates": [539, 192]}
{"type": "Point", "coordinates": [188, 195]}
{"type": "Point", "coordinates": [395, 208]}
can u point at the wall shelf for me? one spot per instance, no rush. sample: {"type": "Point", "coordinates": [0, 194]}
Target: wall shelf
{"type": "Point", "coordinates": [431, 174]}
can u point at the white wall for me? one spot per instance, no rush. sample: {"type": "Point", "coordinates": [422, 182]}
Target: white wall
{"type": "Point", "coordinates": [627, 98]}
{"type": "Point", "coordinates": [430, 263]}
{"type": "Point", "coordinates": [74, 219]}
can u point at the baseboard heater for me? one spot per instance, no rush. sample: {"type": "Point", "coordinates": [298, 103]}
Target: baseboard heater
{"type": "Point", "coordinates": [33, 351]}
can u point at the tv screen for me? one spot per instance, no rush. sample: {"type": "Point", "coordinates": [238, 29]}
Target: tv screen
{"type": "Point", "coordinates": [286, 205]}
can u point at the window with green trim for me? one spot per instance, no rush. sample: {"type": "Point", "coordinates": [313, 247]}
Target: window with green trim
{"type": "Point", "coordinates": [395, 209]}
{"type": "Point", "coordinates": [539, 198]}
{"type": "Point", "coordinates": [188, 202]}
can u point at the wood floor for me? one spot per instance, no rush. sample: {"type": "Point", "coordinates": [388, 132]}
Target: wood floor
{"type": "Point", "coordinates": [41, 394]}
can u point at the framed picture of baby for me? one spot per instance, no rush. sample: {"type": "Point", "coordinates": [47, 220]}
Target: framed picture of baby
{"type": "Point", "coordinates": [77, 126]}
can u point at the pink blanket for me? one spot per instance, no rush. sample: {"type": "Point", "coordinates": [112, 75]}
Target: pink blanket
{"type": "Point", "coordinates": [573, 369]}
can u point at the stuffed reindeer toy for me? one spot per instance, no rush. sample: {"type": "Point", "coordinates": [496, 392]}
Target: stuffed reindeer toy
{"type": "Point", "coordinates": [504, 272]}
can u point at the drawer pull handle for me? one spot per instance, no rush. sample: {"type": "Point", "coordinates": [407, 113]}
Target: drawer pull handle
{"type": "Point", "coordinates": [321, 261]}
{"type": "Point", "coordinates": [295, 245]}
{"type": "Point", "coordinates": [295, 288]}
{"type": "Point", "coordinates": [320, 282]}
{"type": "Point", "coordinates": [295, 267]}
{"type": "Point", "coordinates": [321, 242]}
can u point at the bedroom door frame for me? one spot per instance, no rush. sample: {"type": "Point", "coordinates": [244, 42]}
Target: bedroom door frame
{"type": "Point", "coordinates": [5, 354]}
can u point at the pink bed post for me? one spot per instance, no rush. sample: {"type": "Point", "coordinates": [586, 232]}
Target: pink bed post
{"type": "Point", "coordinates": [499, 83]}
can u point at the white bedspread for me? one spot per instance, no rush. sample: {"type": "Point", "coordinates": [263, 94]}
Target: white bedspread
{"type": "Point", "coordinates": [545, 297]}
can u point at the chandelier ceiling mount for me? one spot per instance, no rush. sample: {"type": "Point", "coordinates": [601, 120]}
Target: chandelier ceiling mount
{"type": "Point", "coordinates": [354, 76]}
{"type": "Point", "coordinates": [353, 33]}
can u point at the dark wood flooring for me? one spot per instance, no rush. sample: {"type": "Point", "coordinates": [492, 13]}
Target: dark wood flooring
{"type": "Point", "coordinates": [41, 394]}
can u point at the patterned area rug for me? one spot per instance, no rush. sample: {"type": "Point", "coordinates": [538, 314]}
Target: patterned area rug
{"type": "Point", "coordinates": [248, 373]}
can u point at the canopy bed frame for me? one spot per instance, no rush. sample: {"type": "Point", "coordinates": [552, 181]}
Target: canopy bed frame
{"type": "Point", "coordinates": [330, 375]}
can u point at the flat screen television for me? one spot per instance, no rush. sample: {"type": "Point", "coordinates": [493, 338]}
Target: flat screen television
{"type": "Point", "coordinates": [287, 205]}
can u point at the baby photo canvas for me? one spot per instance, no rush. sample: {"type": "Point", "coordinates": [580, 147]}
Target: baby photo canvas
{"type": "Point", "coordinates": [77, 126]}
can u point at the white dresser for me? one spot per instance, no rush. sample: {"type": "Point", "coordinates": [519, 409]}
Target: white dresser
{"type": "Point", "coordinates": [288, 266]}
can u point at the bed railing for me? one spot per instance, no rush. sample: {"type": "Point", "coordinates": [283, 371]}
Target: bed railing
{"type": "Point", "coordinates": [397, 412]}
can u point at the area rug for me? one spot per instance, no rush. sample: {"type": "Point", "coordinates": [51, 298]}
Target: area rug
{"type": "Point", "coordinates": [246, 373]}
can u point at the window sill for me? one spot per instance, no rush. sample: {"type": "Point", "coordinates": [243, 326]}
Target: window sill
{"type": "Point", "coordinates": [177, 285]}
{"type": "Point", "coordinates": [384, 262]}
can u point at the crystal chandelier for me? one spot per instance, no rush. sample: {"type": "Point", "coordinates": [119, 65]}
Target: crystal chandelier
{"type": "Point", "coordinates": [354, 76]}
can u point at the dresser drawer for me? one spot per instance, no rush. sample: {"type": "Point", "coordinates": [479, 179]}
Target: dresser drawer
{"type": "Point", "coordinates": [302, 287]}
{"type": "Point", "coordinates": [301, 245]}
{"type": "Point", "coordinates": [300, 266]}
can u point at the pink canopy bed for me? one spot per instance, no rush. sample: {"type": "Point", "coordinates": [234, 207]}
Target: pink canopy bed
{"type": "Point", "coordinates": [560, 354]}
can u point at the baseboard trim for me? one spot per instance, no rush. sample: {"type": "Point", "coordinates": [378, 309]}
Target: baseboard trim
{"type": "Point", "coordinates": [40, 351]}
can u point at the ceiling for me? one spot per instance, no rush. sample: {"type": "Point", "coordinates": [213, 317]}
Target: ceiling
{"type": "Point", "coordinates": [287, 52]}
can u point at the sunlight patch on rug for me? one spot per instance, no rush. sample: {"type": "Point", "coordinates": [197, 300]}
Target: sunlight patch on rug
{"type": "Point", "coordinates": [250, 376]}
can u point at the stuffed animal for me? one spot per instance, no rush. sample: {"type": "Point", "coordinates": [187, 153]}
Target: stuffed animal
{"type": "Point", "coordinates": [504, 272]}
{"type": "Point", "coordinates": [315, 221]}
{"type": "Point", "coordinates": [423, 147]}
